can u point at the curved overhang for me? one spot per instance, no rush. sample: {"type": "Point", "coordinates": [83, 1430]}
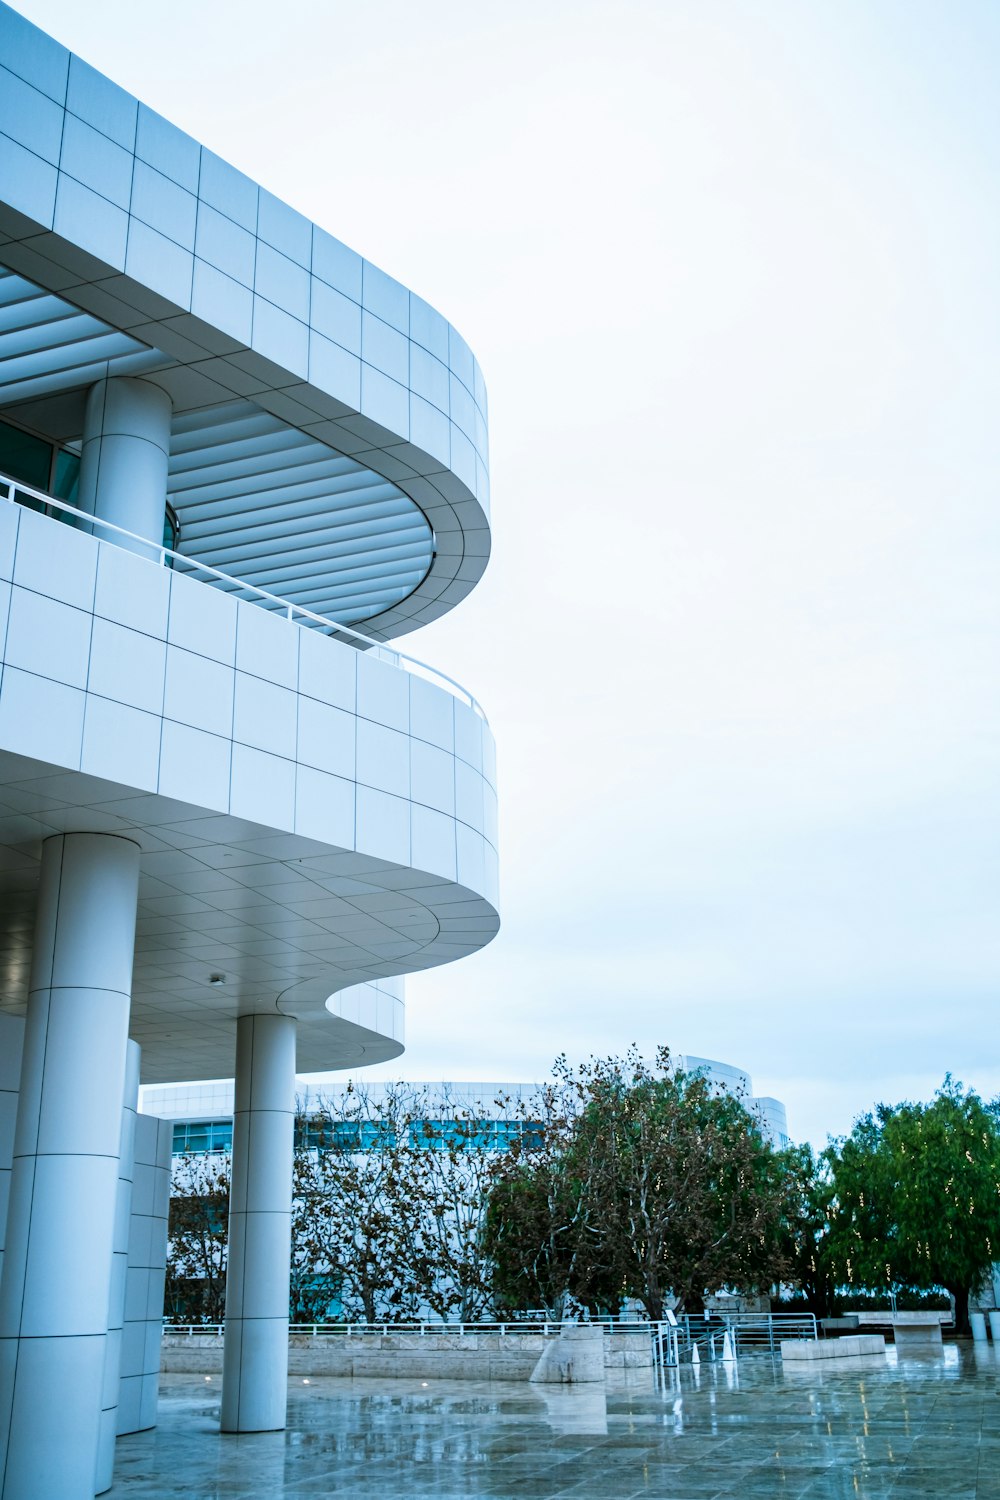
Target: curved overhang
{"type": "Point", "coordinates": [346, 417]}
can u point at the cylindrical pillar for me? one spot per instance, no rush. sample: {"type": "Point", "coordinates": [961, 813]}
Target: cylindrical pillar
{"type": "Point", "coordinates": [60, 1235]}
{"type": "Point", "coordinates": [123, 462]}
{"type": "Point", "coordinates": [255, 1361]}
{"type": "Point", "coordinates": [119, 1269]}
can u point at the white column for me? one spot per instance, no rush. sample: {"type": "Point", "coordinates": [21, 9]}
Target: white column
{"type": "Point", "coordinates": [255, 1368]}
{"type": "Point", "coordinates": [147, 1263]}
{"type": "Point", "coordinates": [119, 1267]}
{"type": "Point", "coordinates": [123, 462]}
{"type": "Point", "coordinates": [64, 1184]}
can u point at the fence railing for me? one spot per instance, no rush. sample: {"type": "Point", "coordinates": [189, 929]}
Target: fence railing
{"type": "Point", "coordinates": [549, 1328]}
{"type": "Point", "coordinates": [688, 1338]}
{"type": "Point", "coordinates": [23, 494]}
{"type": "Point", "coordinates": [747, 1330]}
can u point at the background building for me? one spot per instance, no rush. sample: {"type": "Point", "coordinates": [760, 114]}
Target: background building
{"type": "Point", "coordinates": [202, 1113]}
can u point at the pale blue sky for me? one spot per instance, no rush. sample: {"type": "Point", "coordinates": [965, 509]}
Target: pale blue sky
{"type": "Point", "coordinates": [731, 273]}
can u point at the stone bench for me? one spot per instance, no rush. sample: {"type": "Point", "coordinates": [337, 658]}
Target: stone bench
{"type": "Point", "coordinates": [917, 1333]}
{"type": "Point", "coordinates": [848, 1346]}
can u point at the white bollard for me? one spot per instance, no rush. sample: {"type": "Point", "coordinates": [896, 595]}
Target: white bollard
{"type": "Point", "coordinates": [994, 1317]}
{"type": "Point", "coordinates": [978, 1324]}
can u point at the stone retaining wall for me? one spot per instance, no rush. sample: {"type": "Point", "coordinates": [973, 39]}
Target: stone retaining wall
{"type": "Point", "coordinates": [430, 1356]}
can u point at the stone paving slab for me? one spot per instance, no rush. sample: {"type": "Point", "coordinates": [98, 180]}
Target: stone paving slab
{"type": "Point", "coordinates": [898, 1429]}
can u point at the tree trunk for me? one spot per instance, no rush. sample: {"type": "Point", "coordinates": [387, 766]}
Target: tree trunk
{"type": "Point", "coordinates": [961, 1296]}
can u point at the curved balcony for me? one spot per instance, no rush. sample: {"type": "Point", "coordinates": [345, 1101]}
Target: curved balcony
{"type": "Point", "coordinates": [313, 815]}
{"type": "Point", "coordinates": [329, 434]}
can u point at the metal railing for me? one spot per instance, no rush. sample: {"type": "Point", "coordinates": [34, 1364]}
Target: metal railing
{"type": "Point", "coordinates": [747, 1330]}
{"type": "Point", "coordinates": [548, 1328]}
{"type": "Point", "coordinates": [23, 494]}
{"type": "Point", "coordinates": [688, 1339]}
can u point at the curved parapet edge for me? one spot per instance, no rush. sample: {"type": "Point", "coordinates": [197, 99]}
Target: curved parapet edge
{"type": "Point", "coordinates": [123, 215]}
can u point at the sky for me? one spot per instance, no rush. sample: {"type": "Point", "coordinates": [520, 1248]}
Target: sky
{"type": "Point", "coordinates": [730, 270]}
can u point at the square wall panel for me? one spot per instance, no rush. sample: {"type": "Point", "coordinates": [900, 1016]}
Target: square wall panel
{"type": "Point", "coordinates": [198, 692]}
{"type": "Point", "coordinates": [56, 560]}
{"type": "Point", "coordinates": [471, 857]}
{"type": "Point", "coordinates": [281, 226]}
{"type": "Point", "coordinates": [383, 825]}
{"type": "Point", "coordinates": [262, 788]}
{"type": "Point", "coordinates": [324, 807]}
{"type": "Point", "coordinates": [127, 666]}
{"type": "Point", "coordinates": [30, 117]}
{"type": "Point", "coordinates": [326, 738]}
{"type": "Point", "coordinates": [167, 149]}
{"type": "Point", "coordinates": [386, 298]}
{"type": "Point", "coordinates": [194, 767]}
{"type": "Point", "coordinates": [266, 645]}
{"type": "Point", "coordinates": [222, 302]}
{"type": "Point", "coordinates": [121, 744]}
{"type": "Point", "coordinates": [34, 56]}
{"type": "Point", "coordinates": [48, 638]}
{"type": "Point", "coordinates": [433, 843]}
{"type": "Point", "coordinates": [335, 370]}
{"type": "Point", "coordinates": [162, 204]}
{"type": "Point", "coordinates": [383, 758]}
{"type": "Point", "coordinates": [202, 619]}
{"type": "Point", "coordinates": [29, 183]}
{"type": "Point", "coordinates": [96, 161]}
{"type": "Point", "coordinates": [229, 191]}
{"type": "Point", "coordinates": [383, 692]}
{"type": "Point", "coordinates": [335, 316]}
{"type": "Point", "coordinates": [159, 263]}
{"type": "Point", "coordinates": [469, 804]}
{"type": "Point", "coordinates": [280, 337]}
{"type": "Point", "coordinates": [336, 264]}
{"type": "Point", "coordinates": [432, 714]}
{"type": "Point", "coordinates": [104, 105]}
{"type": "Point", "coordinates": [41, 719]}
{"type": "Point", "coordinates": [432, 777]}
{"type": "Point", "coordinates": [9, 516]}
{"type": "Point", "coordinates": [264, 715]}
{"type": "Point", "coordinates": [328, 669]}
{"type": "Point", "coordinates": [132, 590]}
{"type": "Point", "coordinates": [89, 221]}
{"type": "Point", "coordinates": [225, 244]}
{"type": "Point", "coordinates": [468, 735]}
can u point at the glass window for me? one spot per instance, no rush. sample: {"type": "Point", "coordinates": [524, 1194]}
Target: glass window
{"type": "Point", "coordinates": [202, 1135]}
{"type": "Point", "coordinates": [24, 456]}
{"type": "Point", "coordinates": [66, 480]}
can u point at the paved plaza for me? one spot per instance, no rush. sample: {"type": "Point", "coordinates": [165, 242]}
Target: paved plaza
{"type": "Point", "coordinates": [920, 1426]}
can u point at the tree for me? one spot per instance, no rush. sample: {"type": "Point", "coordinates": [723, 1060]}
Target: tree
{"type": "Point", "coordinates": [532, 1228]}
{"type": "Point", "coordinates": [355, 1213]}
{"type": "Point", "coordinates": [198, 1239]}
{"type": "Point", "coordinates": [391, 1200]}
{"type": "Point", "coordinates": [459, 1157]}
{"type": "Point", "coordinates": [917, 1196]}
{"type": "Point", "coordinates": [656, 1184]}
{"type": "Point", "coordinates": [811, 1262]}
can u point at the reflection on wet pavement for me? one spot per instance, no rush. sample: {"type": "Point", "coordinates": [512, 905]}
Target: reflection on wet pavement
{"type": "Point", "coordinates": [925, 1426]}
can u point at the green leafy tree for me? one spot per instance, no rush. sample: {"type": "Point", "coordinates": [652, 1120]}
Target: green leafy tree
{"type": "Point", "coordinates": [917, 1196]}
{"type": "Point", "coordinates": [665, 1189]}
{"type": "Point", "coordinates": [811, 1262]}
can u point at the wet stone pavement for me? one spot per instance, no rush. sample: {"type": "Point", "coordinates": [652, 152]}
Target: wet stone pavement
{"type": "Point", "coordinates": [921, 1426]}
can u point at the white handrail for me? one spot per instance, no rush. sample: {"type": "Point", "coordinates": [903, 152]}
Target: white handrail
{"type": "Point", "coordinates": [293, 612]}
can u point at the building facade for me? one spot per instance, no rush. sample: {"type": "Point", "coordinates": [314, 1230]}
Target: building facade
{"type": "Point", "coordinates": [235, 460]}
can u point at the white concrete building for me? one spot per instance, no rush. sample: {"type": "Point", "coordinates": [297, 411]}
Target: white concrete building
{"type": "Point", "coordinates": [233, 456]}
{"type": "Point", "coordinates": [202, 1113]}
